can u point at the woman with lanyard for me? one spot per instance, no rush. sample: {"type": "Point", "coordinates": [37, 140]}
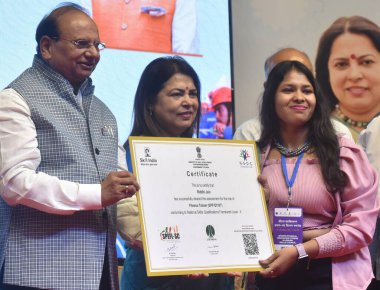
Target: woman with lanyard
{"type": "Point", "coordinates": [320, 185]}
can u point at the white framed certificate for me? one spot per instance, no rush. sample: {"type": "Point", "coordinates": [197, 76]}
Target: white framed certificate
{"type": "Point", "coordinates": [201, 207]}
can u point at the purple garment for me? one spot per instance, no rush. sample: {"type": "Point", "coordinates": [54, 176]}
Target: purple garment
{"type": "Point", "coordinates": [351, 213]}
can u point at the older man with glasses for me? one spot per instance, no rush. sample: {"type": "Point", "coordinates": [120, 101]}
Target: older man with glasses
{"type": "Point", "coordinates": [58, 165]}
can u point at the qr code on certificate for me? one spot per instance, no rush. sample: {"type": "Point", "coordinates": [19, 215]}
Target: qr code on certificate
{"type": "Point", "coordinates": [250, 244]}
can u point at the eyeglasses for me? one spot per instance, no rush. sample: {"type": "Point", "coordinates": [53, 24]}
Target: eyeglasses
{"type": "Point", "coordinates": [84, 44]}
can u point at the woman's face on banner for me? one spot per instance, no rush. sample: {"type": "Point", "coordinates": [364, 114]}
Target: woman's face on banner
{"type": "Point", "coordinates": [354, 69]}
{"type": "Point", "coordinates": [176, 106]}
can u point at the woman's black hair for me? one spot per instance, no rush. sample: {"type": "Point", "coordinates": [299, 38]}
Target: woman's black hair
{"type": "Point", "coordinates": [321, 133]}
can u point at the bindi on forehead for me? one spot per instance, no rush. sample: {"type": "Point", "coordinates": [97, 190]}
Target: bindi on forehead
{"type": "Point", "coordinates": [353, 56]}
{"type": "Point", "coordinates": [187, 88]}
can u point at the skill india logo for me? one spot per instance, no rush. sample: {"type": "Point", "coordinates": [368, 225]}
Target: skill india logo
{"type": "Point", "coordinates": [147, 152]}
{"type": "Point", "coordinates": [147, 160]}
{"type": "Point", "coordinates": [210, 231]}
{"type": "Point", "coordinates": [170, 233]}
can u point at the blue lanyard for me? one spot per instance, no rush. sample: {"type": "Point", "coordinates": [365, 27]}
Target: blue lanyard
{"type": "Point", "coordinates": [289, 183]}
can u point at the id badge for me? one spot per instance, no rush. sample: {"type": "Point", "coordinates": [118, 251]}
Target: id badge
{"type": "Point", "coordinates": [287, 227]}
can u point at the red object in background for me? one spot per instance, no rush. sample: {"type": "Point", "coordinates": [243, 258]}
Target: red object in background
{"type": "Point", "coordinates": [123, 25]}
{"type": "Point", "coordinates": [221, 95]}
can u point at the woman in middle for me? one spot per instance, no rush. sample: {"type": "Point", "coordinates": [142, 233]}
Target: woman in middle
{"type": "Point", "coordinates": [166, 105]}
{"type": "Point", "coordinates": [306, 165]}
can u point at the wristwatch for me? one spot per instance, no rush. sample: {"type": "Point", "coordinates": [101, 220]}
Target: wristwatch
{"type": "Point", "coordinates": [301, 251]}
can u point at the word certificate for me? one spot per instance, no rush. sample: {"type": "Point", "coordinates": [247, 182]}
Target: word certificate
{"type": "Point", "coordinates": [201, 207]}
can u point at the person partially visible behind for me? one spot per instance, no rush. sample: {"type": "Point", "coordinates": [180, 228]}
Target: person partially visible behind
{"type": "Point", "coordinates": [59, 156]}
{"type": "Point", "coordinates": [348, 71]}
{"type": "Point", "coordinates": [166, 105]}
{"type": "Point", "coordinates": [207, 121]}
{"type": "Point", "coordinates": [250, 129]}
{"type": "Point", "coordinates": [306, 165]}
{"type": "Point", "coordinates": [221, 100]}
{"type": "Point", "coordinates": [369, 139]}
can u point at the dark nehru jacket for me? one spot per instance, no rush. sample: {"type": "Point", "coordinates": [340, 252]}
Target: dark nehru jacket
{"type": "Point", "coordinates": [78, 143]}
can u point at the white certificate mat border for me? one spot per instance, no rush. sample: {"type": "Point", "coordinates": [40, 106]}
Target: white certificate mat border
{"type": "Point", "coordinates": [148, 142]}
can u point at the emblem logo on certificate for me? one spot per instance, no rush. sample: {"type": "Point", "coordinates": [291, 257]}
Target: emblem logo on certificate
{"type": "Point", "coordinates": [200, 204]}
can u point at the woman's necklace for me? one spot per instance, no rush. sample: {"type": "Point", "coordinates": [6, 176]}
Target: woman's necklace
{"type": "Point", "coordinates": [289, 152]}
{"type": "Point", "coordinates": [349, 121]}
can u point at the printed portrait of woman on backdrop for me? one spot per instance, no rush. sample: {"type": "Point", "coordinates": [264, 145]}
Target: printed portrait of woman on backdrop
{"type": "Point", "coordinates": [348, 70]}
